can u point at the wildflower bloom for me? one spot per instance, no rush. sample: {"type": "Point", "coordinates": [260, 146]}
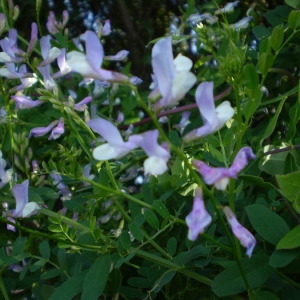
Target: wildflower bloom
{"type": "Point", "coordinates": [228, 8]}
{"type": "Point", "coordinates": [23, 102]}
{"type": "Point", "coordinates": [23, 207]}
{"type": "Point", "coordinates": [220, 176]}
{"type": "Point", "coordinates": [156, 163]}
{"type": "Point", "coordinates": [33, 38]}
{"type": "Point", "coordinates": [115, 147]}
{"type": "Point", "coordinates": [172, 77]}
{"type": "Point", "coordinates": [213, 118]}
{"type": "Point", "coordinates": [198, 218]}
{"type": "Point", "coordinates": [53, 26]}
{"type": "Point", "coordinates": [82, 105]}
{"type": "Point", "coordinates": [241, 24]}
{"type": "Point", "coordinates": [40, 131]}
{"type": "Point", "coordinates": [58, 130]}
{"type": "Point", "coordinates": [5, 175]}
{"type": "Point", "coordinates": [63, 189]}
{"type": "Point", "coordinates": [89, 64]}
{"type": "Point", "coordinates": [243, 235]}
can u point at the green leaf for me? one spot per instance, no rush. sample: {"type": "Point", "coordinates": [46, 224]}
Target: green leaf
{"type": "Point", "coordinates": [265, 62]}
{"type": "Point", "coordinates": [44, 249]}
{"type": "Point", "coordinates": [70, 288]}
{"type": "Point", "coordinates": [125, 240]}
{"type": "Point", "coordinates": [38, 264]}
{"type": "Point", "coordinates": [291, 240]}
{"type": "Point", "coordinates": [266, 223]}
{"type": "Point", "coordinates": [277, 37]}
{"type": "Point", "coordinates": [281, 258]}
{"type": "Point", "coordinates": [151, 219]}
{"type": "Point", "coordinates": [230, 281]}
{"type": "Point", "coordinates": [136, 231]}
{"type": "Point", "coordinates": [273, 122]}
{"type": "Point", "coordinates": [294, 19]}
{"type": "Point", "coordinates": [265, 295]}
{"type": "Point", "coordinates": [161, 208]}
{"type": "Point", "coordinates": [293, 3]}
{"type": "Point", "coordinates": [95, 280]}
{"type": "Point", "coordinates": [172, 246]}
{"type": "Point", "coordinates": [51, 274]}
{"type": "Point", "coordinates": [289, 185]}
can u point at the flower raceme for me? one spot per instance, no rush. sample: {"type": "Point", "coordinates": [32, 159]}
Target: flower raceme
{"type": "Point", "coordinates": [199, 218]}
{"type": "Point", "coordinates": [172, 77]}
{"type": "Point", "coordinates": [243, 235]}
{"type": "Point", "coordinates": [220, 176]}
{"type": "Point", "coordinates": [213, 118]}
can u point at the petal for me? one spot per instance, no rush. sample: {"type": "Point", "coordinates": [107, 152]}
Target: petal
{"type": "Point", "coordinates": [243, 235]}
{"type": "Point", "coordinates": [30, 209]}
{"type": "Point", "coordinates": [205, 102]}
{"type": "Point", "coordinates": [94, 48]}
{"type": "Point", "coordinates": [224, 113]}
{"type": "Point", "coordinates": [20, 192]}
{"type": "Point", "coordinates": [58, 130]}
{"type": "Point", "coordinates": [241, 160]}
{"type": "Point", "coordinates": [107, 130]}
{"type": "Point", "coordinates": [163, 65]}
{"type": "Point", "coordinates": [108, 151]}
{"type": "Point", "coordinates": [182, 63]}
{"type": "Point", "coordinates": [211, 175]}
{"type": "Point", "coordinates": [150, 145]}
{"type": "Point", "coordinates": [40, 131]}
{"type": "Point", "coordinates": [198, 218]}
{"type": "Point", "coordinates": [25, 102]}
{"type": "Point", "coordinates": [155, 165]}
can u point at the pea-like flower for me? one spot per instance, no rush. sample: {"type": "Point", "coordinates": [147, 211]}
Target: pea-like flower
{"type": "Point", "coordinates": [172, 77]}
{"type": "Point", "coordinates": [156, 163]}
{"type": "Point", "coordinates": [220, 176]}
{"type": "Point", "coordinates": [213, 118]}
{"type": "Point", "coordinates": [23, 208]}
{"type": "Point", "coordinates": [23, 102]}
{"type": "Point", "coordinates": [243, 235]}
{"type": "Point", "coordinates": [115, 147]}
{"type": "Point", "coordinates": [89, 64]}
{"type": "Point", "coordinates": [199, 218]}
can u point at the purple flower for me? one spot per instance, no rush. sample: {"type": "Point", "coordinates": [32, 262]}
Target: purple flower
{"type": "Point", "coordinates": [53, 26]}
{"type": "Point", "coordinates": [106, 30]}
{"type": "Point", "coordinates": [243, 235]}
{"type": "Point", "coordinates": [33, 38]}
{"type": "Point", "coordinates": [115, 147]}
{"type": "Point", "coordinates": [49, 54]}
{"type": "Point", "coordinates": [81, 106]}
{"type": "Point", "coordinates": [121, 55]}
{"type": "Point", "coordinates": [23, 207]}
{"type": "Point", "coordinates": [64, 68]}
{"type": "Point", "coordinates": [220, 176]}
{"type": "Point", "coordinates": [40, 131]}
{"type": "Point", "coordinates": [23, 102]}
{"type": "Point", "coordinates": [89, 64]}
{"type": "Point", "coordinates": [63, 189]}
{"type": "Point", "coordinates": [213, 118]}
{"type": "Point", "coordinates": [198, 218]}
{"type": "Point", "coordinates": [172, 76]}
{"type": "Point", "coordinates": [228, 8]}
{"type": "Point", "coordinates": [156, 163]}
{"type": "Point", "coordinates": [58, 130]}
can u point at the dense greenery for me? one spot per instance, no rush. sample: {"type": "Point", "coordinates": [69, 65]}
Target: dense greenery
{"type": "Point", "coordinates": [113, 167]}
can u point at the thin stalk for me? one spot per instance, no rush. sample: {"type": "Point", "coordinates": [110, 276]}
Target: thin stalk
{"type": "Point", "coordinates": [2, 286]}
{"type": "Point", "coordinates": [173, 266]}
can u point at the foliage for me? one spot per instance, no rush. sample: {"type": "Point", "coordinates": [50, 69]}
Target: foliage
{"type": "Point", "coordinates": [110, 229]}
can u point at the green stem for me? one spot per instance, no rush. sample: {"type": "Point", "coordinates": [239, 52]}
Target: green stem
{"type": "Point", "coordinates": [117, 192]}
{"type": "Point", "coordinates": [172, 266]}
{"type": "Point", "coordinates": [2, 286]}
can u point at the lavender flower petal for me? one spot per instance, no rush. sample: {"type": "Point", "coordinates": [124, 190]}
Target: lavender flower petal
{"type": "Point", "coordinates": [198, 218]}
{"type": "Point", "coordinates": [243, 235]}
